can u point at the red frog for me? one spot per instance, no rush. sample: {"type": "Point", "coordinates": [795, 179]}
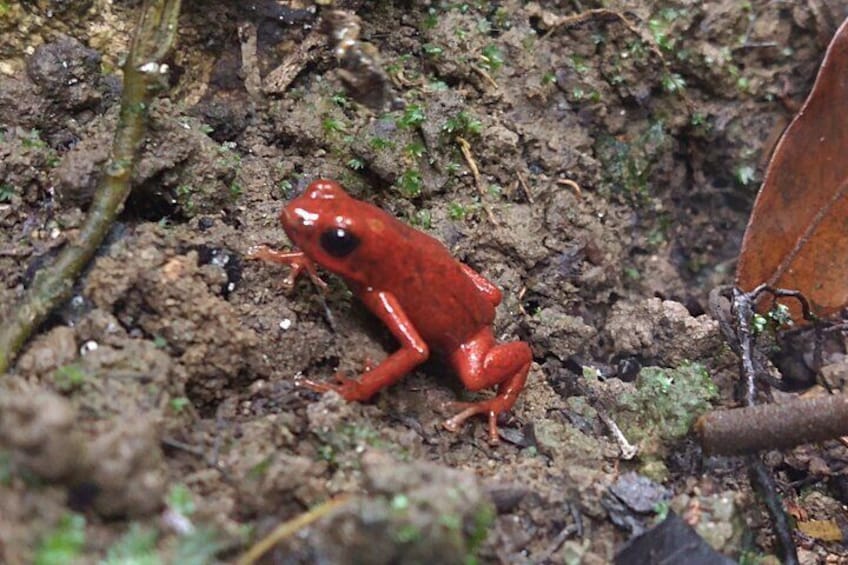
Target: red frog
{"type": "Point", "coordinates": [409, 280]}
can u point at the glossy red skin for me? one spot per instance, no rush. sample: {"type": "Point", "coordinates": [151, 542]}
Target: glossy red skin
{"type": "Point", "coordinates": [428, 299]}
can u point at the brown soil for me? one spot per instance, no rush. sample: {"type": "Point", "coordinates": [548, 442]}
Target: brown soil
{"type": "Point", "coordinates": [619, 163]}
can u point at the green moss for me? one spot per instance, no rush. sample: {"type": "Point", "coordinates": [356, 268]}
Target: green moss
{"type": "Point", "coordinates": [492, 58]}
{"type": "Point", "coordinates": [410, 183]}
{"type": "Point", "coordinates": [462, 124]}
{"type": "Point", "coordinates": [628, 164]}
{"type": "Point", "coordinates": [665, 403]}
{"type": "Point", "coordinates": [64, 543]}
{"type": "Point", "coordinates": [413, 116]}
{"type": "Point", "coordinates": [181, 500]}
{"type": "Point", "coordinates": [137, 546]}
{"type": "Point", "coordinates": [69, 377]}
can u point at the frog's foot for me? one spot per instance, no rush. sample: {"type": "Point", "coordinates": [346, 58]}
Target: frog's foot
{"type": "Point", "coordinates": [297, 260]}
{"type": "Point", "coordinates": [491, 408]}
{"type": "Point", "coordinates": [348, 388]}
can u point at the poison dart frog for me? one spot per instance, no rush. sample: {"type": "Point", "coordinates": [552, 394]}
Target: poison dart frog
{"type": "Point", "coordinates": [429, 300]}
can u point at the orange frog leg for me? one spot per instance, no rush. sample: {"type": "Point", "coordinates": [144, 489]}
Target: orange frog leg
{"type": "Point", "coordinates": [297, 260]}
{"type": "Point", "coordinates": [482, 363]}
{"type": "Point", "coordinates": [413, 351]}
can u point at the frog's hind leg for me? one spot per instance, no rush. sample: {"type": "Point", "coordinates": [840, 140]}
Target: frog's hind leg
{"type": "Point", "coordinates": [482, 363]}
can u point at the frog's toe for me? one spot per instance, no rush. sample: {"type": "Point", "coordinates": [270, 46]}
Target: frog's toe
{"type": "Point", "coordinates": [469, 409]}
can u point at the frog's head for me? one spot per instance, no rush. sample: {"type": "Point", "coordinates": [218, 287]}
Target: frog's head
{"type": "Point", "coordinates": [333, 229]}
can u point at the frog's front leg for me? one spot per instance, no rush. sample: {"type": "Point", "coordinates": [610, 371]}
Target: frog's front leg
{"type": "Point", "coordinates": [297, 260]}
{"type": "Point", "coordinates": [482, 363]}
{"type": "Point", "coordinates": [413, 351]}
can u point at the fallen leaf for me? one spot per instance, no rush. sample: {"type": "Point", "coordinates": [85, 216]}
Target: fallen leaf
{"type": "Point", "coordinates": [824, 530]}
{"type": "Point", "coordinates": [797, 236]}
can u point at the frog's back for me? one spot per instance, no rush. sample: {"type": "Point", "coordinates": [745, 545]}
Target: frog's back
{"type": "Point", "coordinates": [437, 295]}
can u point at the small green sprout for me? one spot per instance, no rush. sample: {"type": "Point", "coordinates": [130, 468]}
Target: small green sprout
{"type": "Point", "coordinates": [452, 168]}
{"type": "Point", "coordinates": [286, 187]}
{"type": "Point", "coordinates": [492, 57]}
{"type": "Point", "coordinates": [462, 123]}
{"type": "Point", "coordinates": [415, 149]}
{"type": "Point", "coordinates": [179, 403]}
{"type": "Point", "coordinates": [413, 116]}
{"type": "Point", "coordinates": [421, 218]}
{"type": "Point", "coordinates": [431, 19]}
{"type": "Point", "coordinates": [759, 323]}
{"type": "Point", "coordinates": [137, 546]}
{"type": "Point", "coordinates": [64, 543]}
{"type": "Point", "coordinates": [380, 143]}
{"type": "Point", "coordinates": [673, 82]}
{"type": "Point", "coordinates": [578, 63]}
{"type": "Point", "coordinates": [69, 377]}
{"type": "Point", "coordinates": [432, 49]}
{"type": "Point", "coordinates": [7, 191]}
{"type": "Point", "coordinates": [356, 164]}
{"type": "Point", "coordinates": [410, 183]}
{"type": "Point", "coordinates": [33, 140]}
{"type": "Point", "coordinates": [340, 99]}
{"type": "Point", "coordinates": [781, 315]}
{"type": "Point", "coordinates": [457, 211]}
{"type": "Point", "coordinates": [332, 126]}
{"type": "Point", "coordinates": [181, 500]}
{"type": "Point", "coordinates": [745, 175]}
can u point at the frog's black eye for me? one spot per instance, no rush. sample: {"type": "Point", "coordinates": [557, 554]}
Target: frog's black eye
{"type": "Point", "coordinates": [339, 242]}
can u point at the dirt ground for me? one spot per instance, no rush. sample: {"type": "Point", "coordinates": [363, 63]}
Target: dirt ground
{"type": "Point", "coordinates": [157, 416]}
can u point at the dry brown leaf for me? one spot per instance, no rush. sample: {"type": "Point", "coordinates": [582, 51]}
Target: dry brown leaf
{"type": "Point", "coordinates": [797, 236]}
{"type": "Point", "coordinates": [824, 530]}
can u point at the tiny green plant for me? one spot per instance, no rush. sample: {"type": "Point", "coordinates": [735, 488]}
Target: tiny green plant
{"type": "Point", "coordinates": [463, 124]}
{"type": "Point", "coordinates": [381, 143]}
{"type": "Point", "coordinates": [356, 163]}
{"type": "Point", "coordinates": [413, 116]}
{"type": "Point", "coordinates": [673, 82]}
{"type": "Point", "coordinates": [137, 546]}
{"type": "Point", "coordinates": [7, 191]}
{"type": "Point", "coordinates": [410, 183]}
{"type": "Point", "coordinates": [69, 377]}
{"type": "Point", "coordinates": [333, 126]}
{"type": "Point", "coordinates": [179, 403]}
{"type": "Point", "coordinates": [181, 500]}
{"type": "Point", "coordinates": [198, 547]}
{"type": "Point", "coordinates": [745, 174]}
{"type": "Point", "coordinates": [286, 187]}
{"type": "Point", "coordinates": [415, 149]}
{"type": "Point", "coordinates": [33, 140]}
{"type": "Point", "coordinates": [457, 211]}
{"type": "Point", "coordinates": [64, 543]}
{"type": "Point", "coordinates": [340, 99]}
{"type": "Point", "coordinates": [492, 57]}
{"type": "Point", "coordinates": [421, 218]}
{"type": "Point", "coordinates": [432, 50]}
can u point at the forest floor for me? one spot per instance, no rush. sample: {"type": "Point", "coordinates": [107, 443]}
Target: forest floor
{"type": "Point", "coordinates": [158, 412]}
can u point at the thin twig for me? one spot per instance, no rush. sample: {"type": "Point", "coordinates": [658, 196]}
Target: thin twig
{"type": "Point", "coordinates": [465, 147]}
{"type": "Point", "coordinates": [764, 484]}
{"type": "Point", "coordinates": [759, 430]}
{"type": "Point", "coordinates": [522, 182]}
{"type": "Point", "coordinates": [289, 528]}
{"type": "Point", "coordinates": [143, 70]}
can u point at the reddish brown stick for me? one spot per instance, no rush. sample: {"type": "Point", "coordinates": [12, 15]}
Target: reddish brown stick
{"type": "Point", "coordinates": [773, 426]}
